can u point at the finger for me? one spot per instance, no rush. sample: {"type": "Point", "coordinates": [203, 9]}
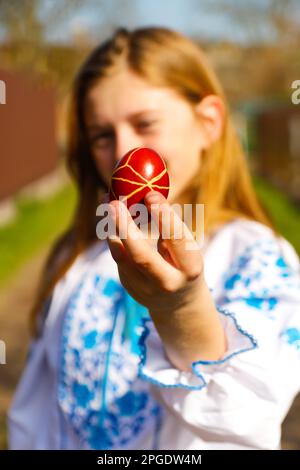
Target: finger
{"type": "Point", "coordinates": [148, 261]}
{"type": "Point", "coordinates": [165, 253]}
{"type": "Point", "coordinates": [116, 248]}
{"type": "Point", "coordinates": [130, 277]}
{"type": "Point", "coordinates": [135, 282]}
{"type": "Point", "coordinates": [123, 261]}
{"type": "Point", "coordinates": [183, 248]}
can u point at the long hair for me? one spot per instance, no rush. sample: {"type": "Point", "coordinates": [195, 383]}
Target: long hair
{"type": "Point", "coordinates": [164, 58]}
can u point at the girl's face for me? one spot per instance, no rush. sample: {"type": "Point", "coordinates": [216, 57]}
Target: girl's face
{"type": "Point", "coordinates": [125, 111]}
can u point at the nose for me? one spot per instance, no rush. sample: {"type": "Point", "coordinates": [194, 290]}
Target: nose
{"type": "Point", "coordinates": [125, 140]}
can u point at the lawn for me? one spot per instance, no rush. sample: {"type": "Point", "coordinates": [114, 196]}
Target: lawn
{"type": "Point", "coordinates": [37, 224]}
{"type": "Point", "coordinates": [285, 214]}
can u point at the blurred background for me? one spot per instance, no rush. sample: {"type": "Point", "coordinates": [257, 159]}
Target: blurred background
{"type": "Point", "coordinates": [254, 47]}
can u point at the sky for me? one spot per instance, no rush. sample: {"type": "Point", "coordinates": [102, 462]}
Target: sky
{"type": "Point", "coordinates": [204, 19]}
{"type": "Point", "coordinates": [192, 17]}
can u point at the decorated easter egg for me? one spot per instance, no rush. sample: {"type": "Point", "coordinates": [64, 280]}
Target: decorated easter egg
{"type": "Point", "coordinates": [141, 170]}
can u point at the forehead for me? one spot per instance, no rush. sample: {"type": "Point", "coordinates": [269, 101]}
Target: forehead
{"type": "Point", "coordinates": [125, 94]}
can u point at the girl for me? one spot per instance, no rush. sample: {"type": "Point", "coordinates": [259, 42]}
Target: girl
{"type": "Point", "coordinates": [167, 348]}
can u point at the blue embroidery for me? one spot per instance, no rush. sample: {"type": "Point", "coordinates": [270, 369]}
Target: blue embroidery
{"type": "Point", "coordinates": [256, 277]}
{"type": "Point", "coordinates": [292, 336]}
{"type": "Point", "coordinates": [83, 394]}
{"type": "Point", "coordinates": [99, 392]}
{"type": "Point", "coordinates": [254, 302]}
{"type": "Point", "coordinates": [134, 313]}
{"type": "Point", "coordinates": [281, 262]}
{"type": "Point", "coordinates": [90, 339]}
{"type": "Point", "coordinates": [131, 403]}
{"type": "Point", "coordinates": [111, 288]}
{"type": "Point", "coordinates": [230, 283]}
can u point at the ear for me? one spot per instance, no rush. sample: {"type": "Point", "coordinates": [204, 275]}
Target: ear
{"type": "Point", "coordinates": [211, 114]}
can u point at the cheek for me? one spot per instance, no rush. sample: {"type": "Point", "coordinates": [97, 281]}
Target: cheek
{"type": "Point", "coordinates": [182, 154]}
{"type": "Point", "coordinates": [183, 163]}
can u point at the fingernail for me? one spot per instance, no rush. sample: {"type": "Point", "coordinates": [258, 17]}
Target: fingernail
{"type": "Point", "coordinates": [152, 197]}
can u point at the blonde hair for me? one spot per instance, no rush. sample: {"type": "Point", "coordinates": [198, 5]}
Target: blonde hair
{"type": "Point", "coordinates": [164, 58]}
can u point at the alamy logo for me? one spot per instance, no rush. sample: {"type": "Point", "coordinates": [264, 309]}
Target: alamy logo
{"type": "Point", "coordinates": [296, 93]}
{"type": "Point", "coordinates": [2, 92]}
{"type": "Point", "coordinates": [176, 224]}
{"type": "Point", "coordinates": [2, 352]}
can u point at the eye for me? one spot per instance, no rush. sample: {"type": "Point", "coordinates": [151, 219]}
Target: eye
{"type": "Point", "coordinates": [145, 124]}
{"type": "Point", "coordinates": [101, 138]}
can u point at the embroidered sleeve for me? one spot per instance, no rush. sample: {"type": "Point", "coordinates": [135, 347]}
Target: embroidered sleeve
{"type": "Point", "coordinates": [245, 395]}
{"type": "Point", "coordinates": [157, 369]}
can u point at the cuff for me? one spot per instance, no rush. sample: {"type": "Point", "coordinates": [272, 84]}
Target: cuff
{"type": "Point", "coordinates": [155, 367]}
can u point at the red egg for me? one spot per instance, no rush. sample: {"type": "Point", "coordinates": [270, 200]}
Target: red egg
{"type": "Point", "coordinates": [140, 170]}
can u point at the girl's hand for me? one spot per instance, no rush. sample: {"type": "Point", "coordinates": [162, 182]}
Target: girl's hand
{"type": "Point", "coordinates": [162, 280]}
{"type": "Point", "coordinates": [170, 283]}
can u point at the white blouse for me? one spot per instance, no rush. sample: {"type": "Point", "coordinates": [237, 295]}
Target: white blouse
{"type": "Point", "coordinates": [98, 377]}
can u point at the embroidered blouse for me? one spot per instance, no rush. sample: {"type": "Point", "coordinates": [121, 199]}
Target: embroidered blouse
{"type": "Point", "coordinates": [98, 376]}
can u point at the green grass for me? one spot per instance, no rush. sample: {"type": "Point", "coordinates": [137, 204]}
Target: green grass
{"type": "Point", "coordinates": [285, 214]}
{"type": "Point", "coordinates": [37, 224]}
